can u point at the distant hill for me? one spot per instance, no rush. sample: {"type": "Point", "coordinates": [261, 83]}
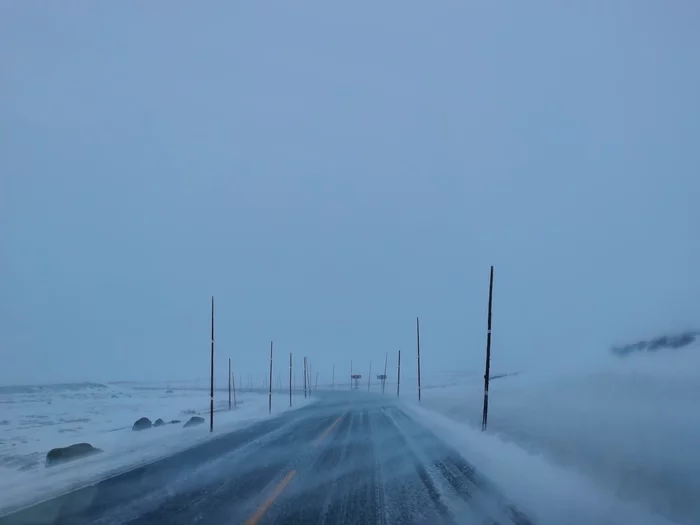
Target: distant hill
{"type": "Point", "coordinates": [54, 387]}
{"type": "Point", "coordinates": [664, 342]}
{"type": "Point", "coordinates": [499, 376]}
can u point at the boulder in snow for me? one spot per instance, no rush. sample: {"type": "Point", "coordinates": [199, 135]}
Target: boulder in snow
{"type": "Point", "coordinates": [142, 424]}
{"type": "Point", "coordinates": [79, 450]}
{"type": "Point", "coordinates": [159, 423]}
{"type": "Point", "coordinates": [194, 421]}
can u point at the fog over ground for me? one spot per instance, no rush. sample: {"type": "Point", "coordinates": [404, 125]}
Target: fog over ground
{"type": "Point", "coordinates": [330, 171]}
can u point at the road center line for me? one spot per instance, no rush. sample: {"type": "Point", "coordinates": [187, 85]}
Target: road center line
{"type": "Point", "coordinates": [253, 520]}
{"type": "Point", "coordinates": [323, 436]}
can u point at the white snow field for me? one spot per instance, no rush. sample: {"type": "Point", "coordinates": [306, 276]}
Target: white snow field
{"type": "Point", "coordinates": [35, 419]}
{"type": "Point", "coordinates": [614, 441]}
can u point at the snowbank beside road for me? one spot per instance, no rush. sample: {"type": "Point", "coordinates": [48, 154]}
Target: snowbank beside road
{"type": "Point", "coordinates": [627, 425]}
{"type": "Point", "coordinates": [543, 490]}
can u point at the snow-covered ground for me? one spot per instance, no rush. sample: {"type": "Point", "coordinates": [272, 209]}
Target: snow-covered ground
{"type": "Point", "coordinates": [35, 419]}
{"type": "Point", "coordinates": [614, 441]}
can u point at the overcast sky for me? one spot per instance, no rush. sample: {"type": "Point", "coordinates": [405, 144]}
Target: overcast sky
{"type": "Point", "coordinates": [331, 170]}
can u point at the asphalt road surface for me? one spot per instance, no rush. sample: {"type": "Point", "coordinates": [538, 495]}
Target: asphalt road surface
{"type": "Point", "coordinates": [348, 458]}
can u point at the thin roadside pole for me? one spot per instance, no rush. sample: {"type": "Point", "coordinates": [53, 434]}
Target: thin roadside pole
{"type": "Point", "coordinates": [233, 382]}
{"type": "Point", "coordinates": [290, 379]}
{"type": "Point", "coordinates": [487, 373]}
{"type": "Point", "coordinates": [211, 390]}
{"type": "Point", "coordinates": [308, 374]}
{"type": "Point", "coordinates": [386, 360]}
{"type": "Point", "coordinates": [418, 344]}
{"type": "Point", "coordinates": [269, 402]}
{"type": "Point", "coordinates": [398, 380]}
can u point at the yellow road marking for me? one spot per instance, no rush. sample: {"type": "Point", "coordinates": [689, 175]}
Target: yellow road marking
{"type": "Point", "coordinates": [271, 499]}
{"type": "Point", "coordinates": [328, 431]}
{"type": "Point", "coordinates": [253, 520]}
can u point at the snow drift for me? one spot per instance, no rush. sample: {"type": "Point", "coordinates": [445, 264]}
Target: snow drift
{"type": "Point", "coordinates": [627, 420]}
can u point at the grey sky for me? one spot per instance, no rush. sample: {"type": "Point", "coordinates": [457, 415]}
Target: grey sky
{"type": "Point", "coordinates": [331, 170]}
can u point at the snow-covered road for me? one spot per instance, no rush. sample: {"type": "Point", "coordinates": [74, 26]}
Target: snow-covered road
{"type": "Point", "coordinates": [349, 458]}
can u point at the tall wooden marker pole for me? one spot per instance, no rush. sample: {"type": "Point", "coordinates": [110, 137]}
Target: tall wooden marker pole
{"type": "Point", "coordinates": [233, 382]}
{"type": "Point", "coordinates": [290, 379]}
{"type": "Point", "coordinates": [418, 344]}
{"type": "Point", "coordinates": [350, 374]}
{"type": "Point", "coordinates": [308, 374]}
{"type": "Point", "coordinates": [386, 360]}
{"type": "Point", "coordinates": [398, 379]}
{"type": "Point", "coordinates": [305, 378]}
{"type": "Point", "coordinates": [269, 384]}
{"type": "Point", "coordinates": [229, 383]}
{"type": "Point", "coordinates": [211, 390]}
{"type": "Point", "coordinates": [369, 378]}
{"type": "Point", "coordinates": [488, 357]}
